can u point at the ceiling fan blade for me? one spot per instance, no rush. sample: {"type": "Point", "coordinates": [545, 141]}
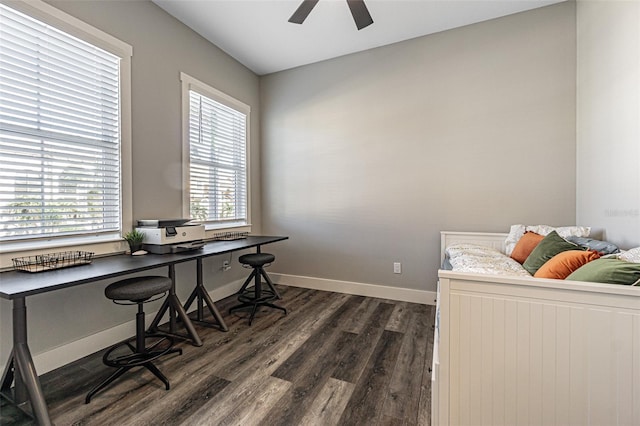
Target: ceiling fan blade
{"type": "Point", "coordinates": [302, 11]}
{"type": "Point", "coordinates": [360, 13]}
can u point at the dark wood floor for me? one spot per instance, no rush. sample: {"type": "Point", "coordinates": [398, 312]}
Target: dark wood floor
{"type": "Point", "coordinates": [334, 359]}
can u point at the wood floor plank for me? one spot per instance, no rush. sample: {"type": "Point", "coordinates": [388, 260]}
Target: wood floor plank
{"type": "Point", "coordinates": [296, 365]}
{"type": "Point", "coordinates": [366, 404]}
{"type": "Point", "coordinates": [245, 386]}
{"type": "Point", "coordinates": [293, 329]}
{"type": "Point", "coordinates": [406, 380]}
{"type": "Point", "coordinates": [176, 406]}
{"type": "Point", "coordinates": [328, 406]}
{"type": "Point", "coordinates": [353, 363]}
{"type": "Point", "coordinates": [424, 404]}
{"type": "Point", "coordinates": [356, 323]}
{"type": "Point", "coordinates": [253, 411]}
{"type": "Point", "coordinates": [244, 349]}
{"type": "Point", "coordinates": [390, 421]}
{"type": "Point", "coordinates": [250, 376]}
{"type": "Point", "coordinates": [308, 383]}
{"type": "Point", "coordinates": [231, 378]}
{"type": "Point", "coordinates": [111, 403]}
{"type": "Point", "coordinates": [400, 317]}
{"type": "Point", "coordinates": [221, 345]}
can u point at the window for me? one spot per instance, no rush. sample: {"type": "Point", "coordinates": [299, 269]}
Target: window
{"type": "Point", "coordinates": [62, 133]}
{"type": "Point", "coordinates": [215, 144]}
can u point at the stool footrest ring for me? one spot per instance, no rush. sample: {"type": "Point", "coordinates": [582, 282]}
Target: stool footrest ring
{"type": "Point", "coordinates": [162, 346]}
{"type": "Point", "coordinates": [250, 296]}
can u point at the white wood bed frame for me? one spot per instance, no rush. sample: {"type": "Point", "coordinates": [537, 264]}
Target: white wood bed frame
{"type": "Point", "coordinates": [530, 351]}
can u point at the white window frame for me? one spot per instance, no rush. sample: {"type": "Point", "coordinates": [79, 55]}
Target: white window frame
{"type": "Point", "coordinates": [109, 242]}
{"type": "Point", "coordinates": [191, 83]}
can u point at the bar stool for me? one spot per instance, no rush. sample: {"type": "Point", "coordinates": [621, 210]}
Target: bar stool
{"type": "Point", "coordinates": [137, 291]}
{"type": "Point", "coordinates": [257, 296]}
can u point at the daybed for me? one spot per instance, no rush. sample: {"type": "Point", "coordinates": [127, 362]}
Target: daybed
{"type": "Point", "coordinates": [513, 350]}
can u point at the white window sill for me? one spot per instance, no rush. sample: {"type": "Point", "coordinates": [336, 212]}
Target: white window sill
{"type": "Point", "coordinates": [212, 229]}
{"type": "Point", "coordinates": [100, 245]}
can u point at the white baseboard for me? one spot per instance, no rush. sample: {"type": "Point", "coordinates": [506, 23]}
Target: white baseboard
{"type": "Point", "coordinates": [69, 352]}
{"type": "Point", "coordinates": [360, 289]}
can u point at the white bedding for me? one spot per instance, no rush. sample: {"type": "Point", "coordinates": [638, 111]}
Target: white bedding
{"type": "Point", "coordinates": [483, 260]}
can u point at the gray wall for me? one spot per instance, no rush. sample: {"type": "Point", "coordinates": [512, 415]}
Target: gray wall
{"type": "Point", "coordinates": [367, 157]}
{"type": "Point", "coordinates": [608, 118]}
{"type": "Point", "coordinates": [162, 47]}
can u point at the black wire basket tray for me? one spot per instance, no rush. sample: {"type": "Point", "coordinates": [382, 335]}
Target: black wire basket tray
{"type": "Point", "coordinates": [50, 261]}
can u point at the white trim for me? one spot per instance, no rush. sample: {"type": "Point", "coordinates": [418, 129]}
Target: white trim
{"type": "Point", "coordinates": [71, 25]}
{"type": "Point", "coordinates": [189, 83]}
{"type": "Point", "coordinates": [203, 88]}
{"type": "Point", "coordinates": [186, 180]}
{"type": "Point", "coordinates": [360, 289]}
{"type": "Point", "coordinates": [126, 160]}
{"type": "Point", "coordinates": [69, 352]}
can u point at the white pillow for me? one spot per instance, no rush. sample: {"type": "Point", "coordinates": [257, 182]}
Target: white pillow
{"type": "Point", "coordinates": [517, 231]}
{"type": "Point", "coordinates": [483, 260]}
{"type": "Point", "coordinates": [632, 255]}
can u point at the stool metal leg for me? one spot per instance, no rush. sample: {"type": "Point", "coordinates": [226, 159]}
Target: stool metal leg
{"type": "Point", "coordinates": [151, 367]}
{"type": "Point", "coordinates": [247, 281]}
{"type": "Point", "coordinates": [140, 348]}
{"type": "Point", "coordinates": [253, 313]}
{"type": "Point", "coordinates": [270, 283]}
{"type": "Point", "coordinates": [119, 372]}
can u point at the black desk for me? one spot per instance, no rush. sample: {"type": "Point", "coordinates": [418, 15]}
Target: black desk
{"type": "Point", "coordinates": [16, 286]}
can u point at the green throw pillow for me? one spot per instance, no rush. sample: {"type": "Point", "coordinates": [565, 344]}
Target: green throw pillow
{"type": "Point", "coordinates": [609, 271]}
{"type": "Point", "coordinates": [550, 245]}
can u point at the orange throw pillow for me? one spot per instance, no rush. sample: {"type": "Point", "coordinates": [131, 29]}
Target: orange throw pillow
{"type": "Point", "coordinates": [563, 264]}
{"type": "Point", "coordinates": [525, 246]}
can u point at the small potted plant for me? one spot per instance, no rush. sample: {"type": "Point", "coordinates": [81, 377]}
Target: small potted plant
{"type": "Point", "coordinates": [134, 238]}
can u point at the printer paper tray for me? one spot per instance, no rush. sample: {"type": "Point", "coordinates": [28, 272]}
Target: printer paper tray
{"type": "Point", "coordinates": [173, 248]}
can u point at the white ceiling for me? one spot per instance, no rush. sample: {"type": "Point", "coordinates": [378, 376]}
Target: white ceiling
{"type": "Point", "coordinates": [257, 34]}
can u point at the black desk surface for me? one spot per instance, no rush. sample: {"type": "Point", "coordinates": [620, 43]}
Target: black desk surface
{"type": "Point", "coordinates": [15, 284]}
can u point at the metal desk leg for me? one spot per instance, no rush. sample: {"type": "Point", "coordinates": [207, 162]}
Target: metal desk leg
{"type": "Point", "coordinates": [20, 369]}
{"type": "Point", "coordinates": [201, 295]}
{"type": "Point", "coordinates": [173, 305]}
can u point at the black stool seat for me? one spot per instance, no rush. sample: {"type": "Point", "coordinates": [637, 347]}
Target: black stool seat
{"type": "Point", "coordinates": [256, 259]}
{"type": "Point", "coordinates": [136, 290]}
{"type": "Point", "coordinates": [257, 296]}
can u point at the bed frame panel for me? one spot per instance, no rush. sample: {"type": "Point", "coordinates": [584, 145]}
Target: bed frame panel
{"type": "Point", "coordinates": [489, 239]}
{"type": "Point", "coordinates": [534, 351]}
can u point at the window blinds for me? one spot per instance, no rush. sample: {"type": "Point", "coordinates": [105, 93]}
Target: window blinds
{"type": "Point", "coordinates": [59, 132]}
{"type": "Point", "coordinates": [218, 171]}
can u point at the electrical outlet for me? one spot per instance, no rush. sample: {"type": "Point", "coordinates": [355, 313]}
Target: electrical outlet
{"type": "Point", "coordinates": [225, 265]}
{"type": "Point", "coordinates": [397, 267]}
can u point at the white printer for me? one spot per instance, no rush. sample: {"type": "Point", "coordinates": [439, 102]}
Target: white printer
{"type": "Point", "coordinates": [162, 236]}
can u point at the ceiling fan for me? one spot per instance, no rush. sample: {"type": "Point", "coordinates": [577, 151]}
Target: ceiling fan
{"type": "Point", "coordinates": [359, 12]}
